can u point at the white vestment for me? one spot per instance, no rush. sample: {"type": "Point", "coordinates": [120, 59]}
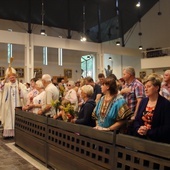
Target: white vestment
{"type": "Point", "coordinates": [11, 98]}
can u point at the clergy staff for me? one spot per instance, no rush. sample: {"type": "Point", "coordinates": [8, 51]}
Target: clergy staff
{"type": "Point", "coordinates": [13, 94]}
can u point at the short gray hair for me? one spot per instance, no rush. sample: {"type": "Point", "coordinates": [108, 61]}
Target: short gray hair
{"type": "Point", "coordinates": [88, 89]}
{"type": "Point", "coordinates": [46, 77]}
{"type": "Point", "coordinates": [130, 70]}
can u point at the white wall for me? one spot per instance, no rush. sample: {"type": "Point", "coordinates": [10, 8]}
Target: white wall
{"type": "Point", "coordinates": [119, 62]}
{"type": "Point", "coordinates": [155, 28]}
{"type": "Point", "coordinates": [155, 33]}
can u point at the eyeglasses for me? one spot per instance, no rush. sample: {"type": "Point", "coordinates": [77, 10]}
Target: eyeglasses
{"type": "Point", "coordinates": [68, 84]}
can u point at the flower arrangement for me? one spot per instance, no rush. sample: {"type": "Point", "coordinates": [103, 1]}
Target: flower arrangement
{"type": "Point", "coordinates": [55, 104]}
{"type": "Point", "coordinates": [68, 110]}
{"type": "Point", "coordinates": [61, 90]}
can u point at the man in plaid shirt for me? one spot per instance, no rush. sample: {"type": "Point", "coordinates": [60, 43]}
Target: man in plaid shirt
{"type": "Point", "coordinates": [133, 90]}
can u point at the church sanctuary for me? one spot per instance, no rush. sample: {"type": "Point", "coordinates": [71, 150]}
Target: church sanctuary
{"type": "Point", "coordinates": [84, 85]}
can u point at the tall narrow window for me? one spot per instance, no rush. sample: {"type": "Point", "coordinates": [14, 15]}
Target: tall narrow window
{"type": "Point", "coordinates": [9, 46]}
{"type": "Point", "coordinates": [60, 56]}
{"type": "Point", "coordinates": [87, 66]}
{"type": "Point", "coordinates": [45, 56]}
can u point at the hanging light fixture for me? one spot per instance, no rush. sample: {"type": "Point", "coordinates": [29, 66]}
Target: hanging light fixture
{"type": "Point", "coordinates": [138, 4]}
{"type": "Point", "coordinates": [110, 58]}
{"type": "Point", "coordinates": [140, 35]}
{"type": "Point", "coordinates": [118, 43]}
{"type": "Point", "coordinates": [159, 8]}
{"type": "Point", "coordinates": [83, 37]}
{"type": "Point", "coordinates": [42, 19]}
{"type": "Point", "coordinates": [118, 28]}
{"type": "Point", "coordinates": [140, 47]}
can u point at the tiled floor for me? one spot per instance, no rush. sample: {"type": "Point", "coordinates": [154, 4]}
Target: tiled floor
{"type": "Point", "coordinates": [13, 158]}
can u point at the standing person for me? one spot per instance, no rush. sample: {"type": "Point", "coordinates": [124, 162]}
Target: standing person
{"type": "Point", "coordinates": [101, 78]}
{"type": "Point", "coordinates": [153, 119]}
{"type": "Point", "coordinates": [13, 94]}
{"type": "Point", "coordinates": [71, 94]}
{"type": "Point", "coordinates": [165, 87]}
{"type": "Point", "coordinates": [86, 109]}
{"type": "Point", "coordinates": [51, 94]}
{"type": "Point", "coordinates": [97, 89]}
{"type": "Point", "coordinates": [63, 83]}
{"type": "Point", "coordinates": [31, 94]}
{"type": "Point", "coordinates": [121, 83]}
{"type": "Point", "coordinates": [112, 111]}
{"type": "Point", "coordinates": [133, 90]}
{"type": "Point", "coordinates": [80, 100]}
{"type": "Point", "coordinates": [36, 105]}
{"type": "Point", "coordinates": [108, 71]}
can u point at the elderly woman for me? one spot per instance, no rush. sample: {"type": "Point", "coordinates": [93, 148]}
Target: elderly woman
{"type": "Point", "coordinates": [153, 118]}
{"type": "Point", "coordinates": [31, 94]}
{"type": "Point", "coordinates": [86, 109]}
{"type": "Point", "coordinates": [111, 111]}
{"type": "Point", "coordinates": [37, 100]}
{"type": "Point", "coordinates": [71, 94]}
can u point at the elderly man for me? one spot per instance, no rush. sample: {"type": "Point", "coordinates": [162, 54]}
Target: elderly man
{"type": "Point", "coordinates": [165, 88]}
{"type": "Point", "coordinates": [51, 94]}
{"type": "Point", "coordinates": [133, 90]}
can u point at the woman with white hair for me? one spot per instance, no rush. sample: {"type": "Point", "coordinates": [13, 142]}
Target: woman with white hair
{"type": "Point", "coordinates": [71, 94]}
{"type": "Point", "coordinates": [85, 113]}
{"type": "Point", "coordinates": [31, 94]}
{"type": "Point", "coordinates": [37, 100]}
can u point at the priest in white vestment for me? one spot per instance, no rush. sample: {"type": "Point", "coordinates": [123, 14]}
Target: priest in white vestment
{"type": "Point", "coordinates": [13, 94]}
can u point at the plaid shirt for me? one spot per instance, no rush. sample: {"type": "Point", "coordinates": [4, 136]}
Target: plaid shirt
{"type": "Point", "coordinates": [165, 91]}
{"type": "Point", "coordinates": [137, 91]}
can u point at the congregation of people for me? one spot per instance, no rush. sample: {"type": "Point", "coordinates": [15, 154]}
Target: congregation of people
{"type": "Point", "coordinates": [130, 105]}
